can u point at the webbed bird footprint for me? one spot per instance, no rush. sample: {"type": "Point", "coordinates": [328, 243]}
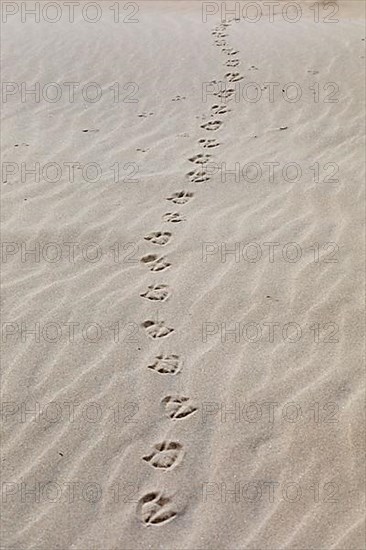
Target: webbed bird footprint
{"type": "Point", "coordinates": [155, 508]}
{"type": "Point", "coordinates": [219, 110]}
{"type": "Point", "coordinates": [165, 455]}
{"type": "Point", "coordinates": [181, 197]}
{"type": "Point", "coordinates": [166, 364]}
{"type": "Point", "coordinates": [154, 263]}
{"type": "Point", "coordinates": [232, 62]}
{"type": "Point", "coordinates": [198, 176]}
{"type": "Point", "coordinates": [208, 143]}
{"type": "Point", "coordinates": [178, 406]}
{"type": "Point", "coordinates": [159, 237]}
{"type": "Point", "coordinates": [156, 329]}
{"type": "Point", "coordinates": [201, 158]}
{"type": "Point", "coordinates": [212, 125]}
{"type": "Point", "coordinates": [225, 94]}
{"type": "Point", "coordinates": [158, 293]}
{"type": "Point", "coordinates": [233, 77]}
{"type": "Point", "coordinates": [144, 115]}
{"type": "Point", "coordinates": [173, 217]}
{"type": "Point", "coordinates": [230, 51]}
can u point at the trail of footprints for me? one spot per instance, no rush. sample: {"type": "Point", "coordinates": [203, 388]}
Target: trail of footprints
{"type": "Point", "coordinates": [157, 508]}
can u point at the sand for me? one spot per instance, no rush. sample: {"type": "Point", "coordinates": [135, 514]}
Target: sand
{"type": "Point", "coordinates": [182, 351]}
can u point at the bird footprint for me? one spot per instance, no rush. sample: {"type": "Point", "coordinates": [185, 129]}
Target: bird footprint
{"type": "Point", "coordinates": [173, 217]}
{"type": "Point", "coordinates": [212, 125]}
{"type": "Point", "coordinates": [232, 62]}
{"type": "Point", "coordinates": [154, 263]}
{"type": "Point", "coordinates": [208, 143]}
{"type": "Point", "coordinates": [159, 237]}
{"type": "Point", "coordinates": [225, 94]}
{"type": "Point", "coordinates": [219, 110]}
{"type": "Point", "coordinates": [178, 406]}
{"type": "Point", "coordinates": [201, 158]}
{"type": "Point", "coordinates": [156, 293]}
{"type": "Point", "coordinates": [155, 508]}
{"type": "Point", "coordinates": [165, 455]}
{"type": "Point", "coordinates": [156, 329]}
{"type": "Point", "coordinates": [198, 176]}
{"type": "Point", "coordinates": [233, 77]}
{"type": "Point", "coordinates": [230, 51]}
{"type": "Point", "coordinates": [144, 115]}
{"type": "Point", "coordinates": [166, 364]}
{"type": "Point", "coordinates": [180, 197]}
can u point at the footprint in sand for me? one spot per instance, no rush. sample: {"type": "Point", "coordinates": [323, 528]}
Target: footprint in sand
{"type": "Point", "coordinates": [165, 455]}
{"type": "Point", "coordinates": [166, 364]}
{"type": "Point", "coordinates": [232, 63]}
{"type": "Point", "coordinates": [219, 110]}
{"type": "Point", "coordinates": [253, 68]}
{"type": "Point", "coordinates": [177, 407]}
{"type": "Point", "coordinates": [144, 115]}
{"type": "Point", "coordinates": [181, 197]}
{"type": "Point", "coordinates": [159, 237]}
{"type": "Point", "coordinates": [220, 42]}
{"type": "Point", "coordinates": [233, 77]}
{"type": "Point", "coordinates": [225, 94]}
{"type": "Point", "coordinates": [213, 82]}
{"type": "Point", "coordinates": [173, 217]}
{"type": "Point", "coordinates": [179, 98]}
{"type": "Point", "coordinates": [155, 509]}
{"type": "Point", "coordinates": [208, 143]}
{"type": "Point", "coordinates": [200, 158]}
{"type": "Point", "coordinates": [230, 51]}
{"type": "Point", "coordinates": [155, 293]}
{"type": "Point", "coordinates": [212, 125]}
{"type": "Point", "coordinates": [156, 329]}
{"type": "Point", "coordinates": [198, 176]}
{"type": "Point", "coordinates": [91, 130]}
{"type": "Point", "coordinates": [155, 263]}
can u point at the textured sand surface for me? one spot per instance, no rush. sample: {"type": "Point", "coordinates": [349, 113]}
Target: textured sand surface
{"type": "Point", "coordinates": [211, 396]}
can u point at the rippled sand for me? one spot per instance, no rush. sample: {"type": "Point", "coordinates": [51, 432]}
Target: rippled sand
{"type": "Point", "coordinates": [195, 368]}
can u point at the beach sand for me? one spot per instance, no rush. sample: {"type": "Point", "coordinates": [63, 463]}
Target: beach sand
{"type": "Point", "coordinates": [195, 369]}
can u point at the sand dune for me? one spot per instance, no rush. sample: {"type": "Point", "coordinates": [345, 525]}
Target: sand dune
{"type": "Point", "coordinates": [182, 279]}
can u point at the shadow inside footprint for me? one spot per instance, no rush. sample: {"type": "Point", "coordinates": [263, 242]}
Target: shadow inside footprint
{"type": "Point", "coordinates": [181, 197]}
{"type": "Point", "coordinates": [166, 364]}
{"type": "Point", "coordinates": [165, 455]}
{"type": "Point", "coordinates": [160, 238]}
{"type": "Point", "coordinates": [177, 407]}
{"type": "Point", "coordinates": [219, 110]}
{"type": "Point", "coordinates": [156, 329]}
{"type": "Point", "coordinates": [232, 63]}
{"type": "Point", "coordinates": [198, 176]}
{"type": "Point", "coordinates": [173, 217]}
{"type": "Point", "coordinates": [200, 158]}
{"type": "Point", "coordinates": [208, 143]}
{"type": "Point", "coordinates": [155, 508]}
{"type": "Point", "coordinates": [155, 263]}
{"type": "Point", "coordinates": [212, 125]}
{"type": "Point", "coordinates": [157, 293]}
